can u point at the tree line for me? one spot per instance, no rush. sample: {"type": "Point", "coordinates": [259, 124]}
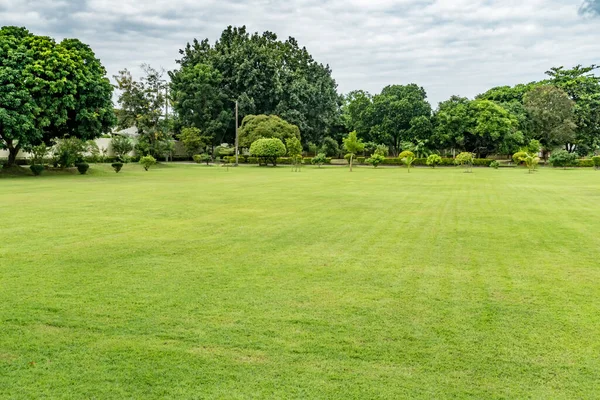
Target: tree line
{"type": "Point", "coordinates": [55, 90]}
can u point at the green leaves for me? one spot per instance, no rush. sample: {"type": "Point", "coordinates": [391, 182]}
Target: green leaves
{"type": "Point", "coordinates": [268, 149]}
{"type": "Point", "coordinates": [256, 127]}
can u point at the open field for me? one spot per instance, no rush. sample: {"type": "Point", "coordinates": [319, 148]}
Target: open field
{"type": "Point", "coordinates": [193, 282]}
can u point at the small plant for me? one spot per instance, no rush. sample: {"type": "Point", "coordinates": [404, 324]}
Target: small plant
{"type": "Point", "coordinates": [117, 166]}
{"type": "Point", "coordinates": [562, 158]}
{"type": "Point", "coordinates": [121, 146]}
{"type": "Point", "coordinates": [376, 159]}
{"type": "Point", "coordinates": [38, 153]}
{"type": "Point", "coordinates": [408, 158]}
{"type": "Point", "coordinates": [465, 159]}
{"type": "Point", "coordinates": [433, 160]}
{"type": "Point", "coordinates": [147, 162]}
{"type": "Point", "coordinates": [36, 169]}
{"type": "Point", "coordinates": [319, 159]}
{"type": "Point", "coordinates": [531, 161]}
{"type": "Point", "coordinates": [596, 161]}
{"type": "Point", "coordinates": [82, 167]}
{"type": "Point", "coordinates": [494, 164]}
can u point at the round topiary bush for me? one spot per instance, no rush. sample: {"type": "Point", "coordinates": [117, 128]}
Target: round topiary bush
{"type": "Point", "coordinates": [82, 168]}
{"type": "Point", "coordinates": [117, 166]}
{"type": "Point", "coordinates": [36, 169]}
{"type": "Point", "coordinates": [268, 150]}
{"type": "Point", "coordinates": [147, 162]}
{"type": "Point", "coordinates": [406, 154]}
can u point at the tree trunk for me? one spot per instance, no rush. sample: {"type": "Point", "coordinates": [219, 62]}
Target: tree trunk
{"type": "Point", "coordinates": [351, 156]}
{"type": "Point", "coordinates": [12, 155]}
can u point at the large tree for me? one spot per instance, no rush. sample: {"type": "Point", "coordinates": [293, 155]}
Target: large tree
{"type": "Point", "coordinates": [394, 111]}
{"type": "Point", "coordinates": [552, 113]}
{"type": "Point", "coordinates": [476, 126]}
{"type": "Point", "coordinates": [265, 75]}
{"type": "Point", "coordinates": [143, 105]}
{"type": "Point", "coordinates": [583, 87]}
{"type": "Point", "coordinates": [49, 90]}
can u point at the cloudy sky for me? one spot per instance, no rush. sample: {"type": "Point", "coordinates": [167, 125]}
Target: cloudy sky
{"type": "Point", "coordinates": [450, 47]}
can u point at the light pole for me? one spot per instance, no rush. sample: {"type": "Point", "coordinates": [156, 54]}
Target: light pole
{"type": "Point", "coordinates": [236, 134]}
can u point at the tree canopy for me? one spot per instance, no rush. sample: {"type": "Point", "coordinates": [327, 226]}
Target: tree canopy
{"type": "Point", "coordinates": [256, 127]}
{"type": "Point", "coordinates": [49, 90]}
{"type": "Point", "coordinates": [265, 75]}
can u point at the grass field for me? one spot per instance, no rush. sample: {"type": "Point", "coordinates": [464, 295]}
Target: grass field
{"type": "Point", "coordinates": [193, 282]}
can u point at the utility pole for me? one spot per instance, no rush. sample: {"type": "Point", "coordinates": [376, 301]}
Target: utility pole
{"type": "Point", "coordinates": [236, 134]}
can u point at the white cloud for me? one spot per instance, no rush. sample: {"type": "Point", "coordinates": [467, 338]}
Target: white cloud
{"type": "Point", "coordinates": [448, 46]}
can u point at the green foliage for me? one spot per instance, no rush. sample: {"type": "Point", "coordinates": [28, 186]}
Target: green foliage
{"type": "Point", "coordinates": [330, 147]}
{"type": "Point", "coordinates": [519, 157]}
{"type": "Point", "coordinates": [494, 164]}
{"type": "Point", "coordinates": [38, 153]}
{"type": "Point", "coordinates": [562, 158]}
{"type": "Point", "coordinates": [531, 161]}
{"type": "Point", "coordinates": [223, 150]}
{"type": "Point", "coordinates": [465, 159]}
{"type": "Point", "coordinates": [552, 113]}
{"type": "Point", "coordinates": [319, 159]}
{"type": "Point", "coordinates": [382, 150]}
{"type": "Point", "coordinates": [265, 75]}
{"type": "Point", "coordinates": [268, 150]}
{"type": "Point", "coordinates": [117, 166]}
{"type": "Point", "coordinates": [202, 158]}
{"type": "Point", "coordinates": [312, 148]}
{"type": "Point", "coordinates": [36, 169]}
{"type": "Point", "coordinates": [50, 90]}
{"type": "Point", "coordinates": [82, 167]}
{"type": "Point", "coordinates": [192, 140]}
{"type": "Point", "coordinates": [69, 151]}
{"type": "Point", "coordinates": [406, 153]}
{"type": "Point", "coordinates": [353, 145]}
{"type": "Point", "coordinates": [256, 127]}
{"type": "Point", "coordinates": [375, 160]}
{"type": "Point", "coordinates": [596, 161]}
{"type": "Point", "coordinates": [407, 158]}
{"type": "Point", "coordinates": [147, 162]}
{"type": "Point", "coordinates": [121, 147]}
{"type": "Point", "coordinates": [533, 147]}
{"type": "Point", "coordinates": [434, 160]}
{"type": "Point", "coordinates": [294, 147]}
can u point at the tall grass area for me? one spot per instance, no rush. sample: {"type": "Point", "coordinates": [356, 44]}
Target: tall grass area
{"type": "Point", "coordinates": [197, 282]}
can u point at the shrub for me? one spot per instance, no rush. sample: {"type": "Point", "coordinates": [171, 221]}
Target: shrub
{"type": "Point", "coordinates": [68, 152]}
{"type": "Point", "coordinates": [252, 160]}
{"type": "Point", "coordinates": [531, 161]}
{"type": "Point", "coordinates": [495, 164]}
{"type": "Point", "coordinates": [36, 169]}
{"type": "Point", "coordinates": [330, 147]}
{"type": "Point", "coordinates": [268, 150]}
{"type": "Point", "coordinates": [38, 153]}
{"type": "Point", "coordinates": [465, 159]}
{"type": "Point", "coordinates": [519, 157]}
{"type": "Point", "coordinates": [361, 160]}
{"type": "Point", "coordinates": [82, 167]}
{"type": "Point", "coordinates": [147, 162]}
{"type": "Point", "coordinates": [434, 160]}
{"type": "Point", "coordinates": [562, 158]}
{"type": "Point", "coordinates": [121, 146]}
{"type": "Point", "coordinates": [117, 166]}
{"type": "Point", "coordinates": [319, 159]}
{"type": "Point", "coordinates": [382, 149]}
{"type": "Point", "coordinates": [586, 162]}
{"type": "Point", "coordinates": [596, 161]}
{"type": "Point", "coordinates": [376, 159]}
{"type": "Point", "coordinates": [202, 158]}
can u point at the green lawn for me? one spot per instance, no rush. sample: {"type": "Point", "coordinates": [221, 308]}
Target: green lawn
{"type": "Point", "coordinates": [196, 282]}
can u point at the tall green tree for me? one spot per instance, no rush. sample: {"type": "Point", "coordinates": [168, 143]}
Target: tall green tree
{"type": "Point", "coordinates": [142, 104]}
{"type": "Point", "coordinates": [49, 90]}
{"type": "Point", "coordinates": [552, 113]}
{"type": "Point", "coordinates": [583, 87]}
{"type": "Point", "coordinates": [265, 75]}
{"type": "Point", "coordinates": [393, 112]}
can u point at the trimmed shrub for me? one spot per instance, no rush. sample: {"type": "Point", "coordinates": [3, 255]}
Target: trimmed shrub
{"type": "Point", "coordinates": [433, 160]}
{"type": "Point", "coordinates": [117, 166]}
{"type": "Point", "coordinates": [361, 160]}
{"type": "Point", "coordinates": [319, 159]}
{"type": "Point", "coordinates": [519, 157]}
{"type": "Point", "coordinates": [268, 150]}
{"type": "Point", "coordinates": [584, 163]}
{"type": "Point", "coordinates": [376, 159]}
{"type": "Point", "coordinates": [495, 164]}
{"type": "Point", "coordinates": [465, 159]}
{"type": "Point", "coordinates": [202, 158]}
{"type": "Point", "coordinates": [252, 160]}
{"type": "Point", "coordinates": [82, 167]}
{"type": "Point", "coordinates": [147, 162]}
{"type": "Point", "coordinates": [482, 162]}
{"type": "Point", "coordinates": [562, 158]}
{"type": "Point", "coordinates": [406, 154]}
{"type": "Point", "coordinates": [36, 169]}
{"type": "Point", "coordinates": [596, 161]}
